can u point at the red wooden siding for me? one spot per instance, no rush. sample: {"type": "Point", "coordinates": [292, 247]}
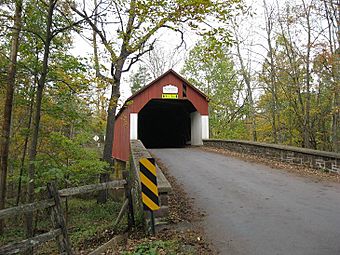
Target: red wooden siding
{"type": "Point", "coordinates": [121, 144]}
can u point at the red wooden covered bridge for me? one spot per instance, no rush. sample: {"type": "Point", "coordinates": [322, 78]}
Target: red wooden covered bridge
{"type": "Point", "coordinates": [168, 112]}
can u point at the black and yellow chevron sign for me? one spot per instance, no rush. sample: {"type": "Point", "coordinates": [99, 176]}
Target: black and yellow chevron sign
{"type": "Point", "coordinates": [148, 180]}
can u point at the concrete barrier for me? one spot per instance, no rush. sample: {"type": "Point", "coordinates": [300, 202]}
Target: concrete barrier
{"type": "Point", "coordinates": [322, 160]}
{"type": "Point", "coordinates": [164, 188]}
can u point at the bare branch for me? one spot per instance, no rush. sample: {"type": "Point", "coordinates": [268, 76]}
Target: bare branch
{"type": "Point", "coordinates": [96, 29]}
{"type": "Point", "coordinates": [139, 55]}
{"type": "Point", "coordinates": [178, 31]}
{"type": "Point", "coordinates": [120, 18]}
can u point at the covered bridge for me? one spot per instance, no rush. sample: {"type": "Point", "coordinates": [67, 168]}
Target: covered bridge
{"type": "Point", "coordinates": [168, 112]}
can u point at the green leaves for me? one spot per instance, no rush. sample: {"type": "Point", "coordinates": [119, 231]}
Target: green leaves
{"type": "Point", "coordinates": [64, 157]}
{"type": "Point", "coordinates": [210, 68]}
{"type": "Point", "coordinates": [139, 79]}
{"type": "Point", "coordinates": [155, 247]}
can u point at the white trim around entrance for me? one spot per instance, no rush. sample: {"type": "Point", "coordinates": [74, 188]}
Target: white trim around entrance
{"type": "Point", "coordinates": [133, 126]}
{"type": "Point", "coordinates": [205, 127]}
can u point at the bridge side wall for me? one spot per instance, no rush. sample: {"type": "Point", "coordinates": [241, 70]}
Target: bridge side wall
{"type": "Point", "coordinates": [138, 151]}
{"type": "Point", "coordinates": [326, 161]}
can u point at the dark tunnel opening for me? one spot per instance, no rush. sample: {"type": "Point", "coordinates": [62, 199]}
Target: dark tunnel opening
{"type": "Point", "coordinates": [165, 123]}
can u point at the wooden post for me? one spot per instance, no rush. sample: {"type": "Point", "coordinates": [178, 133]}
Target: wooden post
{"type": "Point", "coordinates": [58, 221]}
{"type": "Point", "coordinates": [127, 187]}
{"type": "Point", "coordinates": [152, 221]}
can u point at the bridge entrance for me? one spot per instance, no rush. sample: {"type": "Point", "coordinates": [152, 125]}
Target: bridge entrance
{"type": "Point", "coordinates": [165, 123]}
{"type": "Point", "coordinates": [168, 112]}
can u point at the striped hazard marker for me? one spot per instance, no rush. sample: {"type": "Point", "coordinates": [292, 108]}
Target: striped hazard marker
{"type": "Point", "coordinates": [148, 180]}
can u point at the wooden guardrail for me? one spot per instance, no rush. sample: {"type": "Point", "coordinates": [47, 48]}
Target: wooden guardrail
{"type": "Point", "coordinates": [118, 184]}
{"type": "Point", "coordinates": [59, 231]}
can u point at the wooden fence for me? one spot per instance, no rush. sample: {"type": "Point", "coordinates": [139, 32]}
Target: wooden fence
{"type": "Point", "coordinates": [59, 231]}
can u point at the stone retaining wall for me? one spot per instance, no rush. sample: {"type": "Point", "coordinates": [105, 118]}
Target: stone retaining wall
{"type": "Point", "coordinates": [164, 188]}
{"type": "Point", "coordinates": [326, 161]}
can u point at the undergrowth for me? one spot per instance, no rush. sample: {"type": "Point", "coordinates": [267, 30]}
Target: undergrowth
{"type": "Point", "coordinates": [156, 247]}
{"type": "Point", "coordinates": [87, 223]}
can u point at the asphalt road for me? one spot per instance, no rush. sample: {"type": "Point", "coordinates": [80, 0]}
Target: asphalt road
{"type": "Point", "coordinates": [253, 209]}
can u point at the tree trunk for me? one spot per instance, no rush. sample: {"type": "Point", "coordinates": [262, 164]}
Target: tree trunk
{"type": "Point", "coordinates": [246, 76]}
{"type": "Point", "coordinates": [6, 126]}
{"type": "Point", "coordinates": [116, 72]}
{"type": "Point", "coordinates": [107, 152]}
{"type": "Point", "coordinates": [332, 13]}
{"type": "Point", "coordinates": [36, 119]}
{"type": "Point", "coordinates": [293, 93]}
{"type": "Point", "coordinates": [110, 122]}
{"type": "Point", "coordinates": [24, 152]}
{"type": "Point", "coordinates": [274, 103]}
{"type": "Point", "coordinates": [306, 122]}
{"type": "Point", "coordinates": [336, 101]}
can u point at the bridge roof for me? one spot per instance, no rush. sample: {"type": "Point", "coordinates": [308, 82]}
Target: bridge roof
{"type": "Point", "coordinates": [139, 92]}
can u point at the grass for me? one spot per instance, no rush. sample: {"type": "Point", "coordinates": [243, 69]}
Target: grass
{"type": "Point", "coordinates": [11, 234]}
{"type": "Point", "coordinates": [88, 224]}
{"type": "Point", "coordinates": [156, 247]}
{"type": "Point", "coordinates": [87, 218]}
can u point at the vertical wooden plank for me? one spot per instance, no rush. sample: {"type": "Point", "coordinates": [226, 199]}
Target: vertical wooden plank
{"type": "Point", "coordinates": [57, 217]}
{"type": "Point", "coordinates": [127, 187]}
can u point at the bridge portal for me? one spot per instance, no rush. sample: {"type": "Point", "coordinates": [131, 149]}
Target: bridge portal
{"type": "Point", "coordinates": [165, 123]}
{"type": "Point", "coordinates": [167, 113]}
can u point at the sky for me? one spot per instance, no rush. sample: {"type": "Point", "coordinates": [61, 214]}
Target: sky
{"type": "Point", "coordinates": [169, 40]}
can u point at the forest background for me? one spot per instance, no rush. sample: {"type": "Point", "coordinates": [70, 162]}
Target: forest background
{"type": "Point", "coordinates": [271, 70]}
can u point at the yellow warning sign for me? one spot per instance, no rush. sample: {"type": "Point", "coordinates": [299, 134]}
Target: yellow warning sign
{"type": "Point", "coordinates": [148, 180]}
{"type": "Point", "coordinates": [170, 96]}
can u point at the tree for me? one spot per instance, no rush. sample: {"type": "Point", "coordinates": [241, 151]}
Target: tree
{"type": "Point", "coordinates": [307, 8]}
{"type": "Point", "coordinates": [60, 144]}
{"type": "Point", "coordinates": [210, 68]}
{"type": "Point", "coordinates": [6, 125]}
{"type": "Point", "coordinates": [331, 13]}
{"type": "Point", "coordinates": [300, 19]}
{"type": "Point", "coordinates": [158, 61]}
{"type": "Point", "coordinates": [37, 113]}
{"type": "Point", "coordinates": [245, 72]}
{"type": "Point", "coordinates": [55, 25]}
{"type": "Point", "coordinates": [272, 82]}
{"type": "Point", "coordinates": [137, 24]}
{"type": "Point", "coordinates": [301, 73]}
{"type": "Point", "coordinates": [139, 79]}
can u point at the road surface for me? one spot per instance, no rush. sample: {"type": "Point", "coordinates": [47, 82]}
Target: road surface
{"type": "Point", "coordinates": [255, 210]}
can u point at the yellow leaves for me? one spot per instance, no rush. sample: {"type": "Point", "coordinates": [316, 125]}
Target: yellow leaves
{"type": "Point", "coordinates": [113, 102]}
{"type": "Point", "coordinates": [130, 102]}
{"type": "Point", "coordinates": [101, 83]}
{"type": "Point", "coordinates": [153, 15]}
